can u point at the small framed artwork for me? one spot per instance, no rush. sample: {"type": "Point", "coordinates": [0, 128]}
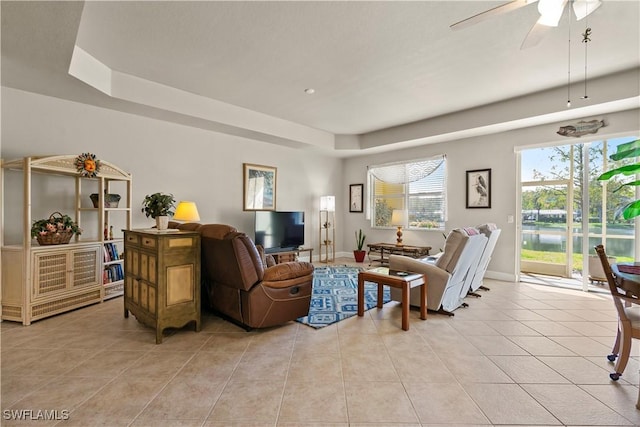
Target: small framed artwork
{"type": "Point", "coordinates": [259, 187]}
{"type": "Point", "coordinates": [356, 197]}
{"type": "Point", "coordinates": [479, 188]}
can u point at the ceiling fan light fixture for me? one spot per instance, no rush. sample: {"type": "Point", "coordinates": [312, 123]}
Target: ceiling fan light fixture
{"type": "Point", "coordinates": [550, 12]}
{"type": "Point", "coordinates": [584, 8]}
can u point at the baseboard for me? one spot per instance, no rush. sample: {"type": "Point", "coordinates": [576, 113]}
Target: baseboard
{"type": "Point", "coordinates": [496, 275]}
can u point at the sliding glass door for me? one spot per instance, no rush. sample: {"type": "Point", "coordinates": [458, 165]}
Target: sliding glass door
{"type": "Point", "coordinates": [562, 201]}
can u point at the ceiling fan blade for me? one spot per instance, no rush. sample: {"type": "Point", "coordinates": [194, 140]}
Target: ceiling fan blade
{"type": "Point", "coordinates": [551, 11]}
{"type": "Point", "coordinates": [535, 35]}
{"type": "Point", "coordinates": [583, 8]}
{"type": "Point", "coordinates": [498, 10]}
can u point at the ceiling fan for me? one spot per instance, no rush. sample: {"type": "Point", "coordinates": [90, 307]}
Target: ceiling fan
{"type": "Point", "coordinates": [550, 14]}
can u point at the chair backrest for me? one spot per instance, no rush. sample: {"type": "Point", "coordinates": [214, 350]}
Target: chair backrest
{"type": "Point", "coordinates": [477, 244]}
{"type": "Point", "coordinates": [185, 226]}
{"type": "Point", "coordinates": [469, 255]}
{"type": "Point", "coordinates": [611, 281]}
{"type": "Point", "coordinates": [229, 257]}
{"type": "Point", "coordinates": [492, 232]}
{"type": "Point", "coordinates": [453, 246]}
{"type": "Point", "coordinates": [189, 226]}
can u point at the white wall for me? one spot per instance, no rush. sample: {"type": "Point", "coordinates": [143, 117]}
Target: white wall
{"type": "Point", "coordinates": [191, 163]}
{"type": "Point", "coordinates": [206, 167]}
{"type": "Point", "coordinates": [495, 152]}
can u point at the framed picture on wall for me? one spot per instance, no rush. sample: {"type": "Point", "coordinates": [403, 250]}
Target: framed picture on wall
{"type": "Point", "coordinates": [356, 197]}
{"type": "Point", "coordinates": [259, 187]}
{"type": "Point", "coordinates": [479, 188]}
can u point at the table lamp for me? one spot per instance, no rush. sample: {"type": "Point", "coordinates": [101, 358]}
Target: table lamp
{"type": "Point", "coordinates": [397, 219]}
{"type": "Point", "coordinates": [187, 212]}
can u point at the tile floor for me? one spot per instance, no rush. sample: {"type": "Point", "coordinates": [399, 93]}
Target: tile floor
{"type": "Point", "coordinates": [522, 354]}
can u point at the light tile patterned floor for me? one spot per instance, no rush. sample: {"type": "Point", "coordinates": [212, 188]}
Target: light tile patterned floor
{"type": "Point", "coordinates": [522, 354]}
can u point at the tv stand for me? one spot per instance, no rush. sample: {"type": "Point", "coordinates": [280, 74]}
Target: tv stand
{"type": "Point", "coordinates": [291, 255]}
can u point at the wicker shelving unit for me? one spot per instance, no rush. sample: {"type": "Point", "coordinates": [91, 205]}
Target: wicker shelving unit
{"type": "Point", "coordinates": [41, 281]}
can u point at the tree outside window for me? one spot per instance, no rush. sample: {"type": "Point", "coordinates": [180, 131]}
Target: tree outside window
{"type": "Point", "coordinates": [418, 186]}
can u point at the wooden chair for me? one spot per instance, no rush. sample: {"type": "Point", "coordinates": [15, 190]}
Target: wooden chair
{"type": "Point", "coordinates": [628, 319]}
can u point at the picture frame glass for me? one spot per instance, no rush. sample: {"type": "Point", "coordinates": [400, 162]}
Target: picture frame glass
{"type": "Point", "coordinates": [356, 197]}
{"type": "Point", "coordinates": [479, 188]}
{"type": "Point", "coordinates": [259, 187]}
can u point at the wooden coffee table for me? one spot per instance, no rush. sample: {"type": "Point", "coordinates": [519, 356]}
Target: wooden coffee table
{"type": "Point", "coordinates": [396, 279]}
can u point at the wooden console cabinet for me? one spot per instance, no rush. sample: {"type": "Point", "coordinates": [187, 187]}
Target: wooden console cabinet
{"type": "Point", "coordinates": [162, 278]}
{"type": "Point", "coordinates": [289, 256]}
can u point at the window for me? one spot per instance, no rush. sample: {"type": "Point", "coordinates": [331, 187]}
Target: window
{"type": "Point", "coordinates": [418, 186]}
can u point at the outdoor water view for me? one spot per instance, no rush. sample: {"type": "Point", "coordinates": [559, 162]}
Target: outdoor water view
{"type": "Point", "coordinates": [554, 205]}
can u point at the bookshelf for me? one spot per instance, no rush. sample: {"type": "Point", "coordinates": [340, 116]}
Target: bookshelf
{"type": "Point", "coordinates": [41, 281]}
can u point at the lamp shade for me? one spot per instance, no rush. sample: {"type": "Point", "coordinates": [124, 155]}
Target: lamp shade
{"type": "Point", "coordinates": [186, 211]}
{"type": "Point", "coordinates": [398, 217]}
{"type": "Point", "coordinates": [328, 203]}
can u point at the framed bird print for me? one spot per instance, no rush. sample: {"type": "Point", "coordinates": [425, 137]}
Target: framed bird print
{"type": "Point", "coordinates": [479, 188]}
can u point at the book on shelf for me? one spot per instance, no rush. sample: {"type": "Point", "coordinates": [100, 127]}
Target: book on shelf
{"type": "Point", "coordinates": [111, 252]}
{"type": "Point", "coordinates": [113, 273]}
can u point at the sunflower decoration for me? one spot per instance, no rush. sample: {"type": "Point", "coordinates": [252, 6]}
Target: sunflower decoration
{"type": "Point", "coordinates": [87, 165]}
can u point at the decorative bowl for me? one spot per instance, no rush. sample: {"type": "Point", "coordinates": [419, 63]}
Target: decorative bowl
{"type": "Point", "coordinates": [110, 201]}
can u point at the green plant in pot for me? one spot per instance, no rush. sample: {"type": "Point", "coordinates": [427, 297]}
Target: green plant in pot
{"type": "Point", "coordinates": [159, 206]}
{"type": "Point", "coordinates": [629, 150]}
{"type": "Point", "coordinates": [359, 253]}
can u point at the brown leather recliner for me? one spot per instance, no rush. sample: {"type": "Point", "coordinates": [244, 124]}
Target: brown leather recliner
{"type": "Point", "coordinates": [185, 226]}
{"type": "Point", "coordinates": [239, 286]}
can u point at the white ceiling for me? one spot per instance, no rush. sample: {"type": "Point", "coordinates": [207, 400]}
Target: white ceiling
{"type": "Point", "coordinates": [373, 65]}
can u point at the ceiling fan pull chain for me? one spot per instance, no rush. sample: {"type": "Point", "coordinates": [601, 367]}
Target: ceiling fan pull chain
{"type": "Point", "coordinates": [586, 38]}
{"type": "Point", "coordinates": [569, 67]}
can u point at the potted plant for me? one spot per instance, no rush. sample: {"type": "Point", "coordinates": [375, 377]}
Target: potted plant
{"type": "Point", "coordinates": [359, 253]}
{"type": "Point", "coordinates": [55, 230]}
{"type": "Point", "coordinates": [159, 206]}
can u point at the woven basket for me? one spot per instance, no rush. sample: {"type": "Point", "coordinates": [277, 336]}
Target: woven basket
{"type": "Point", "coordinates": [59, 238]}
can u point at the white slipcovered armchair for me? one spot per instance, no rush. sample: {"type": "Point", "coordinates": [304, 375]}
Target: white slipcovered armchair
{"type": "Point", "coordinates": [492, 232]}
{"type": "Point", "coordinates": [449, 275]}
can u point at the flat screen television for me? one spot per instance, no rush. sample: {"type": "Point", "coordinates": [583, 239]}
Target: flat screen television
{"type": "Point", "coordinates": [279, 231]}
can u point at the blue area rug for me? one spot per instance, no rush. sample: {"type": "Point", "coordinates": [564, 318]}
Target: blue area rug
{"type": "Point", "coordinates": [335, 295]}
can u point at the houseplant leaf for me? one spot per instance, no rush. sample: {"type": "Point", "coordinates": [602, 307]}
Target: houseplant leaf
{"type": "Point", "coordinates": [622, 170]}
{"type": "Point", "coordinates": [632, 210]}
{"type": "Point", "coordinates": [627, 150]}
{"type": "Point", "coordinates": [158, 204]}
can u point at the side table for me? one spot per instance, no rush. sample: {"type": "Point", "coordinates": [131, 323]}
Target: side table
{"type": "Point", "coordinates": [396, 279]}
{"type": "Point", "coordinates": [162, 278]}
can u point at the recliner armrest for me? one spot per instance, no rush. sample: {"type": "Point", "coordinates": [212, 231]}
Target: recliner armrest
{"type": "Point", "coordinates": [288, 270]}
{"type": "Point", "coordinates": [405, 263]}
